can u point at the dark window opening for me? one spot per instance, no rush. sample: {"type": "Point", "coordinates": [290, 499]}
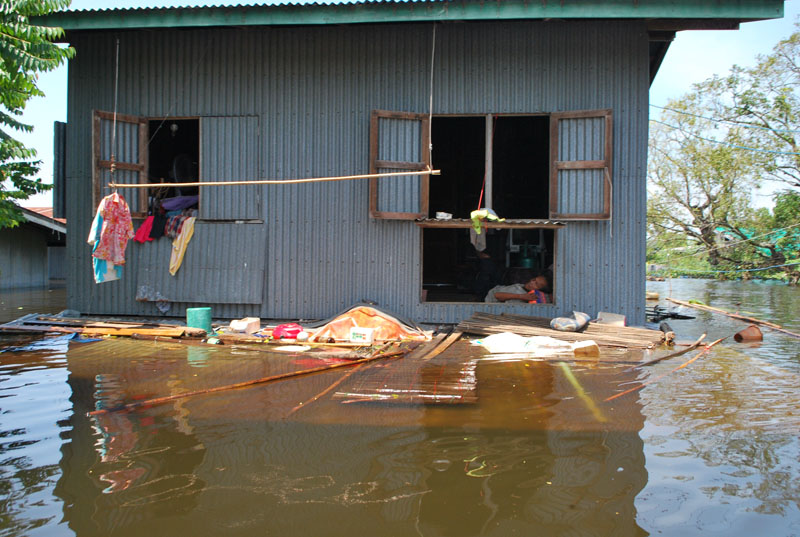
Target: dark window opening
{"type": "Point", "coordinates": [458, 266]}
{"type": "Point", "coordinates": [174, 156]}
{"type": "Point", "coordinates": [521, 164]}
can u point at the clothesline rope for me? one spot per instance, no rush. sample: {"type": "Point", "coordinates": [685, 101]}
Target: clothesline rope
{"type": "Point", "coordinates": [276, 181]}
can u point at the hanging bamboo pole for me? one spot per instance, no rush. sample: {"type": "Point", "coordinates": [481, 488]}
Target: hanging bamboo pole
{"type": "Point", "coordinates": [776, 327]}
{"type": "Point", "coordinates": [276, 181]}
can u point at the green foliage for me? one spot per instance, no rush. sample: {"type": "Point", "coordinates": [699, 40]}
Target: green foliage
{"type": "Point", "coordinates": [766, 100]}
{"type": "Point", "coordinates": [697, 186]}
{"type": "Point", "coordinates": [709, 151]}
{"type": "Point", "coordinates": [25, 51]}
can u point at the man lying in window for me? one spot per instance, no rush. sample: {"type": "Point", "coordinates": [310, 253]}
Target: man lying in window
{"type": "Point", "coordinates": [532, 290]}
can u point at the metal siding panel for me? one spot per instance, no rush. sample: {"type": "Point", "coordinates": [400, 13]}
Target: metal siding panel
{"type": "Point", "coordinates": [59, 169]}
{"type": "Point", "coordinates": [314, 89]}
{"type": "Point", "coordinates": [23, 257]}
{"type": "Point", "coordinates": [580, 191]}
{"type": "Point", "coordinates": [229, 152]}
{"type": "Point", "coordinates": [224, 263]}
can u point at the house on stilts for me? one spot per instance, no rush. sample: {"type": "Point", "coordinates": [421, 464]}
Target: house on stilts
{"type": "Point", "coordinates": [535, 109]}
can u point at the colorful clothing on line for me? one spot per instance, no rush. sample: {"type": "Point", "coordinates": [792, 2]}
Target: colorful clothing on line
{"type": "Point", "coordinates": [175, 223]}
{"type": "Point", "coordinates": [143, 233]}
{"type": "Point", "coordinates": [159, 222]}
{"type": "Point", "coordinates": [116, 229]}
{"type": "Point", "coordinates": [180, 243]}
{"type": "Point", "coordinates": [104, 271]}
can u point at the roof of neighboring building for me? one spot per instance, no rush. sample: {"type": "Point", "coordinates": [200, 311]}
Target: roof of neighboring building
{"type": "Point", "coordinates": [43, 216]}
{"type": "Point", "coordinates": [673, 15]}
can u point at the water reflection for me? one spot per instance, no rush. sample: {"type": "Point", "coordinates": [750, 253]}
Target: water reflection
{"type": "Point", "coordinates": [710, 448]}
{"type": "Point", "coordinates": [530, 453]}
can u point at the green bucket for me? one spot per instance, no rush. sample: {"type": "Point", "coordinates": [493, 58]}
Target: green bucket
{"type": "Point", "coordinates": [199, 318]}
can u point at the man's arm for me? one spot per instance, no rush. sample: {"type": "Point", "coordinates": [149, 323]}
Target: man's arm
{"type": "Point", "coordinates": [503, 297]}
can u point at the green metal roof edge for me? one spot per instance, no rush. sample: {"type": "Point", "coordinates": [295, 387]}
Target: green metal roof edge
{"type": "Point", "coordinates": [385, 12]}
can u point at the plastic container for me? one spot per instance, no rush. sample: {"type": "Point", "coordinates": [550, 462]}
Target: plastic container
{"type": "Point", "coordinates": [361, 335]}
{"type": "Point", "coordinates": [248, 325]}
{"type": "Point", "coordinates": [199, 318]}
{"type": "Point", "coordinates": [287, 331]}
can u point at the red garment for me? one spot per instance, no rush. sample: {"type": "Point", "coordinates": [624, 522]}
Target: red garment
{"type": "Point", "coordinates": [143, 233]}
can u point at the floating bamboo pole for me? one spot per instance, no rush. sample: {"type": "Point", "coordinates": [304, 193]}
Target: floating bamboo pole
{"type": "Point", "coordinates": [338, 381]}
{"type": "Point", "coordinates": [672, 354]}
{"type": "Point", "coordinates": [703, 307]}
{"type": "Point", "coordinates": [642, 385]}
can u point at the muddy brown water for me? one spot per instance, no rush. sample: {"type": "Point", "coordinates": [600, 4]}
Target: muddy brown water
{"type": "Point", "coordinates": [711, 449]}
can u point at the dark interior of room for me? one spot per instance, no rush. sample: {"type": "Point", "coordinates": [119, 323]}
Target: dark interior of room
{"type": "Point", "coordinates": [452, 270]}
{"type": "Point", "coordinates": [174, 155]}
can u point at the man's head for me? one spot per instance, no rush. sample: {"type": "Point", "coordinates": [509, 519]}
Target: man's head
{"type": "Point", "coordinates": [538, 283]}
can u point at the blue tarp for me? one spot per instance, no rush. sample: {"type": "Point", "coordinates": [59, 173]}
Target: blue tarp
{"type": "Point", "coordinates": [53, 344]}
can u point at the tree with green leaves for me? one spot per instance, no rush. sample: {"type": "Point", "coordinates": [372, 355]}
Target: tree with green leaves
{"type": "Point", "coordinates": [699, 187]}
{"type": "Point", "coordinates": [25, 50]}
{"type": "Point", "coordinates": [712, 148]}
{"type": "Point", "coordinates": [765, 100]}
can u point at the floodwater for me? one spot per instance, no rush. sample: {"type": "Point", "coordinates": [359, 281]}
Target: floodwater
{"type": "Point", "coordinates": [710, 449]}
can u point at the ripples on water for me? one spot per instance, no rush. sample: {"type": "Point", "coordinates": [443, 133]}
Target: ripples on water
{"type": "Point", "coordinates": [707, 450]}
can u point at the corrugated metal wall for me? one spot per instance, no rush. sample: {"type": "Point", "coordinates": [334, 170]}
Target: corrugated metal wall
{"type": "Point", "coordinates": [312, 91]}
{"type": "Point", "coordinates": [23, 257]}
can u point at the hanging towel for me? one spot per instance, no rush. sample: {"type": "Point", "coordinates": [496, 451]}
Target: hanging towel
{"type": "Point", "coordinates": [143, 233]}
{"type": "Point", "coordinates": [179, 245]}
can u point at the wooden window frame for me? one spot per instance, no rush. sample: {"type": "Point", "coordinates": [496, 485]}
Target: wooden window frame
{"type": "Point", "coordinates": [557, 165]}
{"type": "Point", "coordinates": [375, 165]}
{"type": "Point", "coordinates": [98, 165]}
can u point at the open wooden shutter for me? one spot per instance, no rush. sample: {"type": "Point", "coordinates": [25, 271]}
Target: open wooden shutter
{"type": "Point", "coordinates": [580, 165]}
{"type": "Point", "coordinates": [229, 152]}
{"type": "Point", "coordinates": [130, 158]}
{"type": "Point", "coordinates": [399, 142]}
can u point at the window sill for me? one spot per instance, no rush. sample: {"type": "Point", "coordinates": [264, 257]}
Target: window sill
{"type": "Point", "coordinates": [508, 223]}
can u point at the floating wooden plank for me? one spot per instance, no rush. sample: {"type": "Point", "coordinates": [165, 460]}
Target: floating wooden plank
{"type": "Point", "coordinates": [231, 339]}
{"type": "Point", "coordinates": [452, 338]}
{"type": "Point", "coordinates": [604, 335]}
{"type": "Point", "coordinates": [167, 332]}
{"type": "Point", "coordinates": [35, 323]}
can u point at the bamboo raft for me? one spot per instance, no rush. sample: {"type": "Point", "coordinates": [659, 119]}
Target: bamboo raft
{"type": "Point", "coordinates": [417, 379]}
{"type": "Point", "coordinates": [485, 324]}
{"type": "Point", "coordinates": [43, 324]}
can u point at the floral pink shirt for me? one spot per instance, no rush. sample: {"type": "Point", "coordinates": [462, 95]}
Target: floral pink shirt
{"type": "Point", "coordinates": [117, 229]}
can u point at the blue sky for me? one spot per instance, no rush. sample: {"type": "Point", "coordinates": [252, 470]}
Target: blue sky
{"type": "Point", "coordinates": [693, 57]}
